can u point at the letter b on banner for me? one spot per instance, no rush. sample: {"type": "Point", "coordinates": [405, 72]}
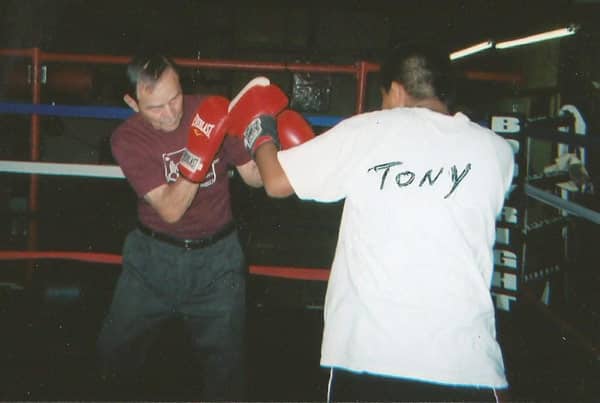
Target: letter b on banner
{"type": "Point", "coordinates": [506, 124]}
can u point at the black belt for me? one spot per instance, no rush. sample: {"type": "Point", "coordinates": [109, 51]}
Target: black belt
{"type": "Point", "coordinates": [189, 243]}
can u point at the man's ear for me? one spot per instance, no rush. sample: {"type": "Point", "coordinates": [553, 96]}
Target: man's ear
{"type": "Point", "coordinates": [131, 102]}
{"type": "Point", "coordinates": [398, 94]}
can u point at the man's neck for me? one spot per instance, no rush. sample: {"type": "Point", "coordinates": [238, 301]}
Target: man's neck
{"type": "Point", "coordinates": [433, 104]}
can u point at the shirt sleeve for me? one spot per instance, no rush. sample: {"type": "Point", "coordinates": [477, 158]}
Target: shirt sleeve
{"type": "Point", "coordinates": [142, 173]}
{"type": "Point", "coordinates": [508, 163]}
{"type": "Point", "coordinates": [320, 169]}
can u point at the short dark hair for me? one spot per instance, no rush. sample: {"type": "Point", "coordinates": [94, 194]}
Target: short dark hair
{"type": "Point", "coordinates": [424, 72]}
{"type": "Point", "coordinates": [147, 68]}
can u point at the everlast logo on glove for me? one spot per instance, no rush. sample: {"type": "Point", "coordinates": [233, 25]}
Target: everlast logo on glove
{"type": "Point", "coordinates": [204, 127]}
{"type": "Point", "coordinates": [190, 161]}
{"type": "Point", "coordinates": [253, 131]}
{"type": "Point", "coordinates": [205, 136]}
{"type": "Point", "coordinates": [261, 130]}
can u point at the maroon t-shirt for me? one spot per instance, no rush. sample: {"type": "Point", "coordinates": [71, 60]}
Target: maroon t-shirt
{"type": "Point", "coordinates": [149, 158]}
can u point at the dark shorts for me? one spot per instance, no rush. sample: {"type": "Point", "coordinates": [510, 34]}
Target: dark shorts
{"type": "Point", "coordinates": [346, 386]}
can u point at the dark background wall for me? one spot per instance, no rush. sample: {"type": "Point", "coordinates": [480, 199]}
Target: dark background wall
{"type": "Point", "coordinates": [322, 30]}
{"type": "Point", "coordinates": [325, 31]}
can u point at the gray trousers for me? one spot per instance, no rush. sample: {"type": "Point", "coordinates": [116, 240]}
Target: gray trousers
{"type": "Point", "coordinates": [204, 287]}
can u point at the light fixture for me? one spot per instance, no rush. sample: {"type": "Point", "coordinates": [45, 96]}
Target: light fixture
{"type": "Point", "coordinates": [471, 50]}
{"type": "Point", "coordinates": [557, 33]}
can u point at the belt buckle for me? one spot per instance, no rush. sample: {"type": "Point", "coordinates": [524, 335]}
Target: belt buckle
{"type": "Point", "coordinates": [188, 244]}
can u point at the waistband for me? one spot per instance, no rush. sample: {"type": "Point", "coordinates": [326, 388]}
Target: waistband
{"type": "Point", "coordinates": [189, 243]}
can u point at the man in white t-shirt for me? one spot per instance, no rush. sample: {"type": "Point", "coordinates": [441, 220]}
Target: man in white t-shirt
{"type": "Point", "coordinates": [408, 312]}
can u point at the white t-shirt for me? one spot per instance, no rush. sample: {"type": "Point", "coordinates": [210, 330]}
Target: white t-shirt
{"type": "Point", "coordinates": [408, 294]}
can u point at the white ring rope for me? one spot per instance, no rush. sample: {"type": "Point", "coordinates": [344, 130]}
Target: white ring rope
{"type": "Point", "coordinates": [50, 168]}
{"type": "Point", "coordinates": [114, 171]}
{"type": "Point", "coordinates": [558, 202]}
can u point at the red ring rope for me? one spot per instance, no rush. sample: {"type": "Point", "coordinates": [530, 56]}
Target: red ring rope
{"type": "Point", "coordinates": [295, 273]}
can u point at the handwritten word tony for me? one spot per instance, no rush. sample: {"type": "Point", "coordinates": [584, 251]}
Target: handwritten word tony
{"type": "Point", "coordinates": [406, 177]}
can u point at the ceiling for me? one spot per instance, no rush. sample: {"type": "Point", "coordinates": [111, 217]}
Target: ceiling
{"type": "Point", "coordinates": [312, 28]}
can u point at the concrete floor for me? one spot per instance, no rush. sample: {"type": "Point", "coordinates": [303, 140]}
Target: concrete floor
{"type": "Point", "coordinates": [48, 346]}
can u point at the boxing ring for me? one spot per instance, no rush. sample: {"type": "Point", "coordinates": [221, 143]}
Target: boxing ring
{"type": "Point", "coordinates": [519, 275]}
{"type": "Point", "coordinates": [36, 79]}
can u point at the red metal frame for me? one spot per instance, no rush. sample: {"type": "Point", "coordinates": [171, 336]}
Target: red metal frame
{"type": "Point", "coordinates": [360, 69]}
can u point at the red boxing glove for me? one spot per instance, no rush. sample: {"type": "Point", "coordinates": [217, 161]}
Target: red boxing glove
{"type": "Point", "coordinates": [288, 130]}
{"type": "Point", "coordinates": [206, 134]}
{"type": "Point", "coordinates": [254, 108]}
{"type": "Point", "coordinates": [293, 129]}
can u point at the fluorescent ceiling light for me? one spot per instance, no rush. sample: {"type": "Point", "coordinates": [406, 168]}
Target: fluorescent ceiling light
{"type": "Point", "coordinates": [557, 33]}
{"type": "Point", "coordinates": [471, 49]}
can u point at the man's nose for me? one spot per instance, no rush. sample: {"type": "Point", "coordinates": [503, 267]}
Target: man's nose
{"type": "Point", "coordinates": [169, 112]}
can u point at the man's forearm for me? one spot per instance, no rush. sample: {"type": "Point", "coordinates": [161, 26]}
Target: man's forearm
{"type": "Point", "coordinates": [274, 178]}
{"type": "Point", "coordinates": [172, 201]}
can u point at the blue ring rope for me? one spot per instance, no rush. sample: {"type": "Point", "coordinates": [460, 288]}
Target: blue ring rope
{"type": "Point", "coordinates": [110, 112]}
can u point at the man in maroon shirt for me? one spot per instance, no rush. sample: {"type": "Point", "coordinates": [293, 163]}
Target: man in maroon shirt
{"type": "Point", "coordinates": [184, 259]}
